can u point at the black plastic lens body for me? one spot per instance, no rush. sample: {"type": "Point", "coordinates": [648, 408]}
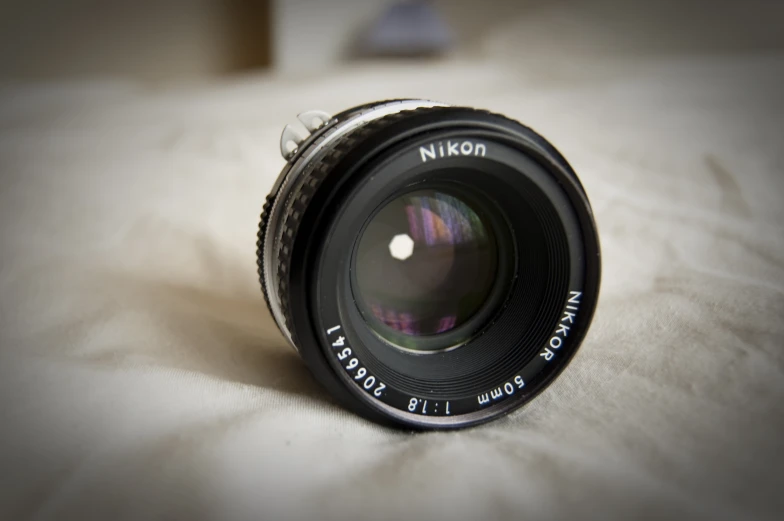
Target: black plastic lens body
{"type": "Point", "coordinates": [435, 266]}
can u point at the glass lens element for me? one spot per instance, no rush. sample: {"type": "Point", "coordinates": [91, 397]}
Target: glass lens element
{"type": "Point", "coordinates": [425, 264]}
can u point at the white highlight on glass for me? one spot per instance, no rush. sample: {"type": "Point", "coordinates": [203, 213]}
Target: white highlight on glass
{"type": "Point", "coordinates": [401, 246]}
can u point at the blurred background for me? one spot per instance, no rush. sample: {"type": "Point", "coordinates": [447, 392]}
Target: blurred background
{"type": "Point", "coordinates": [181, 40]}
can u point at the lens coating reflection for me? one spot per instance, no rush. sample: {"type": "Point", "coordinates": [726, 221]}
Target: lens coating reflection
{"type": "Point", "coordinates": [425, 265]}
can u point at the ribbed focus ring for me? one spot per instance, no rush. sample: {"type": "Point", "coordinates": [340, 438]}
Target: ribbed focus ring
{"type": "Point", "coordinates": [263, 221]}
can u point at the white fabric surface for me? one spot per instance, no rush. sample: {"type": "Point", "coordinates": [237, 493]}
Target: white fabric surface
{"type": "Point", "coordinates": [142, 378]}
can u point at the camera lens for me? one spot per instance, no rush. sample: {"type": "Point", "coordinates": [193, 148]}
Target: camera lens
{"type": "Point", "coordinates": [436, 267]}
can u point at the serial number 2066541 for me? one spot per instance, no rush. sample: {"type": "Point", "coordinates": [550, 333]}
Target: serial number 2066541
{"type": "Point", "coordinates": [352, 365]}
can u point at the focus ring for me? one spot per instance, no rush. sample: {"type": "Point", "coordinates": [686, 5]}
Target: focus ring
{"type": "Point", "coordinates": [263, 221]}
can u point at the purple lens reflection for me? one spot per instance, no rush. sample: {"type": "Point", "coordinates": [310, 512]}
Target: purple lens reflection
{"type": "Point", "coordinates": [444, 220]}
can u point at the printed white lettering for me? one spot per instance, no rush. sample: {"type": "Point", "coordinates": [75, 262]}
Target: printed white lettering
{"type": "Point", "coordinates": [332, 330]}
{"type": "Point", "coordinates": [519, 381]}
{"type": "Point", "coordinates": [557, 340]}
{"type": "Point", "coordinates": [483, 399]}
{"type": "Point", "coordinates": [508, 388]}
{"type": "Point", "coordinates": [340, 342]}
{"type": "Point", "coordinates": [427, 153]}
{"type": "Point", "coordinates": [496, 393]}
{"type": "Point", "coordinates": [457, 148]}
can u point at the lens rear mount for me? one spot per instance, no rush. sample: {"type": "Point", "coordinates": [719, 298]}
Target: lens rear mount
{"type": "Point", "coordinates": [462, 192]}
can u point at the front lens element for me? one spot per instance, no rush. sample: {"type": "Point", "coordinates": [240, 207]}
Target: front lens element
{"type": "Point", "coordinates": [426, 263]}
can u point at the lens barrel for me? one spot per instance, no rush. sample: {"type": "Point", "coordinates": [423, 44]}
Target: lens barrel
{"type": "Point", "coordinates": [436, 267]}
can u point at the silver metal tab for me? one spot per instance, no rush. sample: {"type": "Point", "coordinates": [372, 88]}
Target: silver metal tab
{"type": "Point", "coordinates": [314, 119]}
{"type": "Point", "coordinates": [289, 135]}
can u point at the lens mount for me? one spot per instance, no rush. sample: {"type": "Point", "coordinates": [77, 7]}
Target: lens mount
{"type": "Point", "coordinates": [494, 289]}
